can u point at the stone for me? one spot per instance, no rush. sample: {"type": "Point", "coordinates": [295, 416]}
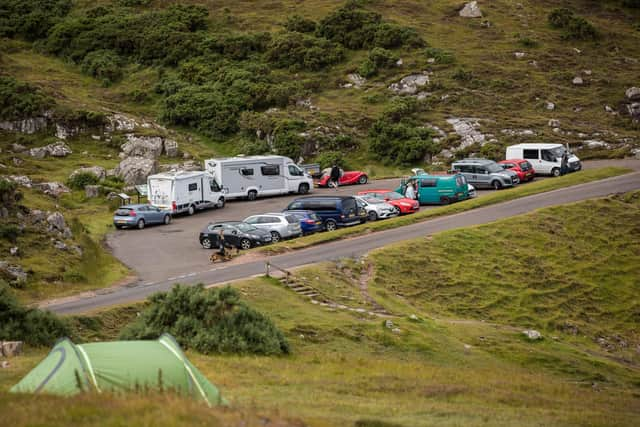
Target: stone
{"type": "Point", "coordinates": [18, 148]}
{"type": "Point", "coordinates": [28, 126]}
{"type": "Point", "coordinates": [17, 161]}
{"type": "Point", "coordinates": [388, 324]}
{"type": "Point", "coordinates": [56, 221]}
{"type": "Point", "coordinates": [149, 147]}
{"type": "Point", "coordinates": [92, 191]}
{"type": "Point", "coordinates": [37, 216]}
{"type": "Point", "coordinates": [634, 111]}
{"type": "Point", "coordinates": [587, 72]}
{"type": "Point", "coordinates": [12, 348]}
{"type": "Point", "coordinates": [576, 50]}
{"type": "Point", "coordinates": [520, 55]}
{"type": "Point", "coordinates": [356, 80]}
{"type": "Point", "coordinates": [608, 109]}
{"type": "Point", "coordinates": [550, 106]}
{"type": "Point", "coordinates": [60, 245]}
{"type": "Point", "coordinates": [633, 93]}
{"type": "Point", "coordinates": [53, 189]}
{"type": "Point", "coordinates": [594, 143]}
{"type": "Point", "coordinates": [532, 334]}
{"type": "Point", "coordinates": [98, 171]}
{"type": "Point", "coordinates": [38, 153]}
{"type": "Point", "coordinates": [399, 62]}
{"type": "Point", "coordinates": [471, 10]}
{"type": "Point", "coordinates": [518, 132]}
{"type": "Point", "coordinates": [14, 251]}
{"type": "Point", "coordinates": [21, 180]}
{"type": "Point", "coordinates": [170, 148]}
{"type": "Point", "coordinates": [431, 60]}
{"type": "Point", "coordinates": [57, 149]}
{"type": "Point", "coordinates": [135, 170]}
{"type": "Point", "coordinates": [120, 122]}
{"type": "Point", "coordinates": [15, 273]}
{"type": "Point", "coordinates": [578, 81]}
{"type": "Point", "coordinates": [95, 138]}
{"type": "Point", "coordinates": [5, 364]}
{"type": "Point", "coordinates": [409, 85]}
{"type": "Point", "coordinates": [396, 330]}
{"type": "Point", "coordinates": [554, 123]}
{"type": "Point", "coordinates": [467, 129]}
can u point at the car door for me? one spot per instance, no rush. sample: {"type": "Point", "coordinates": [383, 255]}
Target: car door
{"type": "Point", "coordinates": [232, 235]}
{"type": "Point", "coordinates": [268, 223]}
{"type": "Point", "coordinates": [157, 214]}
{"type": "Point", "coordinates": [481, 176]}
{"type": "Point", "coordinates": [548, 161]}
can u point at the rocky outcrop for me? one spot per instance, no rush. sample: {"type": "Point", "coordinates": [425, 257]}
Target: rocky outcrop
{"type": "Point", "coordinates": [149, 147]}
{"type": "Point", "coordinates": [467, 129]}
{"type": "Point", "coordinates": [22, 180]}
{"type": "Point", "coordinates": [57, 149]}
{"type": "Point", "coordinates": [29, 126]}
{"type": "Point", "coordinates": [633, 93]}
{"type": "Point", "coordinates": [57, 225]}
{"type": "Point", "coordinates": [10, 348]}
{"type": "Point", "coordinates": [119, 122]}
{"type": "Point", "coordinates": [355, 80]}
{"type": "Point", "coordinates": [14, 273]}
{"type": "Point", "coordinates": [98, 171]}
{"type": "Point", "coordinates": [471, 10]}
{"type": "Point", "coordinates": [410, 85]}
{"type": "Point", "coordinates": [190, 165]}
{"type": "Point", "coordinates": [53, 189]}
{"type": "Point", "coordinates": [135, 170]}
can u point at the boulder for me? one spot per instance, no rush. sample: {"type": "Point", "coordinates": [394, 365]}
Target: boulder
{"type": "Point", "coordinates": [14, 251]}
{"type": "Point", "coordinates": [135, 170]}
{"type": "Point", "coordinates": [120, 122]}
{"type": "Point", "coordinates": [37, 216]}
{"type": "Point", "coordinates": [578, 81]}
{"type": "Point", "coordinates": [11, 348]}
{"type": "Point", "coordinates": [53, 189]}
{"type": "Point", "coordinates": [409, 85]}
{"type": "Point", "coordinates": [18, 148]}
{"type": "Point", "coordinates": [98, 171]}
{"type": "Point", "coordinates": [633, 93]}
{"type": "Point", "coordinates": [554, 123]}
{"type": "Point", "coordinates": [634, 111]}
{"type": "Point", "coordinates": [467, 129]}
{"type": "Point", "coordinates": [14, 273]}
{"type": "Point", "coordinates": [92, 191]}
{"type": "Point", "coordinates": [39, 152]}
{"type": "Point", "coordinates": [57, 149]}
{"type": "Point", "coordinates": [56, 221]}
{"type": "Point", "coordinates": [149, 147]}
{"type": "Point", "coordinates": [21, 180]}
{"type": "Point", "coordinates": [520, 55]}
{"type": "Point", "coordinates": [471, 10]}
{"type": "Point", "coordinates": [532, 334]}
{"type": "Point", "coordinates": [170, 148]}
{"type": "Point", "coordinates": [28, 126]}
{"type": "Point", "coordinates": [356, 80]}
{"type": "Point", "coordinates": [550, 106]}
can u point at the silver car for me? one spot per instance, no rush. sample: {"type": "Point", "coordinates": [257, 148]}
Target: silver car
{"type": "Point", "coordinates": [281, 226]}
{"type": "Point", "coordinates": [376, 208]}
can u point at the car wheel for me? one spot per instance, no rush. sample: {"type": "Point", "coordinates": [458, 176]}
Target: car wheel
{"type": "Point", "coordinates": [140, 224]}
{"type": "Point", "coordinates": [220, 203]}
{"type": "Point", "coordinates": [206, 243]}
{"type": "Point", "coordinates": [252, 195]}
{"type": "Point", "coordinates": [275, 237]}
{"type": "Point", "coordinates": [303, 188]}
{"type": "Point", "coordinates": [396, 210]}
{"type": "Point", "coordinates": [445, 200]}
{"type": "Point", "coordinates": [330, 225]}
{"type": "Point", "coordinates": [192, 210]}
{"type": "Point", "coordinates": [372, 216]}
{"type": "Point", "coordinates": [167, 220]}
{"type": "Point", "coordinates": [245, 244]}
{"type": "Point", "coordinates": [555, 172]}
{"type": "Point", "coordinates": [363, 180]}
{"type": "Point", "coordinates": [496, 184]}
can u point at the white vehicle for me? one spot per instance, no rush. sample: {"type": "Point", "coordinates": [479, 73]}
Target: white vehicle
{"type": "Point", "coordinates": [546, 159]}
{"type": "Point", "coordinates": [253, 176]}
{"type": "Point", "coordinates": [376, 208]}
{"type": "Point", "coordinates": [182, 191]}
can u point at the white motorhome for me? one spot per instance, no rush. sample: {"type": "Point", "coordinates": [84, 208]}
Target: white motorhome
{"type": "Point", "coordinates": [184, 191]}
{"type": "Point", "coordinates": [546, 159]}
{"type": "Point", "coordinates": [253, 176]}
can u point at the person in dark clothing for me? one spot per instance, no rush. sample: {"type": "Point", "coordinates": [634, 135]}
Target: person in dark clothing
{"type": "Point", "coordinates": [334, 177]}
{"type": "Point", "coordinates": [564, 164]}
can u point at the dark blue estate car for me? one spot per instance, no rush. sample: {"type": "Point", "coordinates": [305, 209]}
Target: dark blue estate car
{"type": "Point", "coordinates": [309, 221]}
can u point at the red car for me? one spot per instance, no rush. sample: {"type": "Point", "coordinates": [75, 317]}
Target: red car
{"type": "Point", "coordinates": [404, 205]}
{"type": "Point", "coordinates": [523, 168]}
{"type": "Point", "coordinates": [347, 178]}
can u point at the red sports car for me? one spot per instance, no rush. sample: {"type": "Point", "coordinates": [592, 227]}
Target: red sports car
{"type": "Point", "coordinates": [523, 168]}
{"type": "Point", "coordinates": [404, 205]}
{"type": "Point", "coordinates": [347, 178]}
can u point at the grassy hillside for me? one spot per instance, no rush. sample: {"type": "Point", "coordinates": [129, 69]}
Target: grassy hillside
{"type": "Point", "coordinates": [455, 354]}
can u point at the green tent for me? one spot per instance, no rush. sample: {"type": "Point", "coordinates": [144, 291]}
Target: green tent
{"type": "Point", "coordinates": [118, 366]}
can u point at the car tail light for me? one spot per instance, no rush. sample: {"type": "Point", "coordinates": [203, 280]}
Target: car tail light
{"type": "Point", "coordinates": [342, 216]}
{"type": "Point", "coordinates": [309, 221]}
{"type": "Point", "coordinates": [132, 213]}
{"type": "Point", "coordinates": [174, 206]}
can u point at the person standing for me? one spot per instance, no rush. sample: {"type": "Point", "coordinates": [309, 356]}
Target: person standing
{"type": "Point", "coordinates": [564, 163]}
{"type": "Point", "coordinates": [334, 178]}
{"type": "Point", "coordinates": [410, 192]}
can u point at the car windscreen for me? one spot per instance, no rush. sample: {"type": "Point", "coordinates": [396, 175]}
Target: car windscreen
{"type": "Point", "coordinates": [245, 228]}
{"type": "Point", "coordinates": [494, 167]}
{"type": "Point", "coordinates": [392, 195]}
{"type": "Point", "coordinates": [557, 152]}
{"type": "Point", "coordinates": [372, 200]}
{"type": "Point", "coordinates": [525, 166]}
{"type": "Point", "coordinates": [349, 205]}
{"type": "Point", "coordinates": [123, 211]}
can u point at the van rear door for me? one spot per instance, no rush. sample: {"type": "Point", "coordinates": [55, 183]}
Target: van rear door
{"type": "Point", "coordinates": [161, 192]}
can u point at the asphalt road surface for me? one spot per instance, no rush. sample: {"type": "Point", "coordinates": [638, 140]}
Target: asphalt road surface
{"type": "Point", "coordinates": [165, 255]}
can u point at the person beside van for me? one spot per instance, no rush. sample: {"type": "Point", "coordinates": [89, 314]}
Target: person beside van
{"type": "Point", "coordinates": [410, 191]}
{"type": "Point", "coordinates": [334, 178]}
{"type": "Point", "coordinates": [564, 163]}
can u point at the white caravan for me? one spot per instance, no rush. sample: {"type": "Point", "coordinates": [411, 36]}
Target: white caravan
{"type": "Point", "coordinates": [253, 176]}
{"type": "Point", "coordinates": [545, 158]}
{"type": "Point", "coordinates": [184, 191]}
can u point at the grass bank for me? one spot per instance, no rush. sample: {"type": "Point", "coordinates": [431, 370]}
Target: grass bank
{"type": "Point", "coordinates": [529, 189]}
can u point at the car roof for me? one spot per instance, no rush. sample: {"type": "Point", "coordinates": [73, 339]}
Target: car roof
{"type": "Point", "coordinates": [364, 192]}
{"type": "Point", "coordinates": [323, 198]}
{"type": "Point", "coordinates": [268, 214]}
{"type": "Point", "coordinates": [533, 145]}
{"type": "Point", "coordinates": [134, 206]}
{"type": "Point", "coordinates": [225, 222]}
{"type": "Point", "coordinates": [474, 161]}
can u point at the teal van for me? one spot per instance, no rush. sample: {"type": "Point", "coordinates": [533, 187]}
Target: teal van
{"type": "Point", "coordinates": [438, 189]}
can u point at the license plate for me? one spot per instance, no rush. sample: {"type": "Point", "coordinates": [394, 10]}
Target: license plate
{"type": "Point", "coordinates": [351, 215]}
{"type": "Point", "coordinates": [122, 222]}
{"type": "Point", "coordinates": [318, 222]}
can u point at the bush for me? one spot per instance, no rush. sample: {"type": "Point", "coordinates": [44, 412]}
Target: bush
{"type": "Point", "coordinates": [330, 158]}
{"type": "Point", "coordinates": [104, 65]}
{"type": "Point", "coordinates": [391, 36]}
{"type": "Point", "coordinates": [301, 51]}
{"type": "Point", "coordinates": [633, 4]}
{"type": "Point", "coordinates": [31, 19]}
{"type": "Point", "coordinates": [9, 232]}
{"type": "Point", "coordinates": [209, 321]}
{"type": "Point", "coordinates": [33, 326]}
{"type": "Point", "coordinates": [462, 75]}
{"type": "Point", "coordinates": [560, 18]}
{"type": "Point", "coordinates": [440, 56]}
{"type": "Point", "coordinates": [81, 180]}
{"type": "Point", "coordinates": [574, 27]}
{"type": "Point", "coordinates": [352, 27]}
{"type": "Point", "coordinates": [299, 24]}
{"type": "Point", "coordinates": [21, 100]}
{"type": "Point", "coordinates": [235, 46]}
{"type": "Point", "coordinates": [378, 58]}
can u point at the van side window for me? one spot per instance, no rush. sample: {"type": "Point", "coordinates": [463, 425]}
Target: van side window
{"type": "Point", "coordinates": [270, 170]}
{"type": "Point", "coordinates": [294, 170]}
{"type": "Point", "coordinates": [193, 186]}
{"type": "Point", "coordinates": [214, 186]}
{"type": "Point", "coordinates": [548, 156]}
{"type": "Point", "coordinates": [530, 154]}
{"type": "Point", "coordinates": [246, 171]}
{"type": "Point", "coordinates": [464, 168]}
{"type": "Point", "coordinates": [428, 182]}
{"type": "Point", "coordinates": [480, 170]}
{"type": "Point", "coordinates": [296, 205]}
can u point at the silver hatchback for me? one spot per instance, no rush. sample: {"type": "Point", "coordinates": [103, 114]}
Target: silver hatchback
{"type": "Point", "coordinates": [281, 226]}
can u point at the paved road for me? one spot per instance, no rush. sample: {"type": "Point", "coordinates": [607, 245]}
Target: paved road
{"type": "Point", "coordinates": [200, 271]}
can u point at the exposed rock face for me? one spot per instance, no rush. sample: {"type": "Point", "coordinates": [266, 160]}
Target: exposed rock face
{"type": "Point", "coordinates": [98, 171]}
{"type": "Point", "coordinates": [29, 126]}
{"type": "Point", "coordinates": [57, 149]}
{"type": "Point", "coordinates": [14, 273]}
{"type": "Point", "coordinates": [10, 348]}
{"type": "Point", "coordinates": [135, 170]}
{"type": "Point", "coordinates": [633, 93]}
{"type": "Point", "coordinates": [190, 165]}
{"type": "Point", "coordinates": [149, 147]}
{"type": "Point", "coordinates": [54, 189]}
{"type": "Point", "coordinates": [471, 10]}
{"type": "Point", "coordinates": [467, 129]}
{"type": "Point", "coordinates": [120, 122]}
{"type": "Point", "coordinates": [170, 148]}
{"type": "Point", "coordinates": [64, 131]}
{"type": "Point", "coordinates": [634, 111]}
{"type": "Point", "coordinates": [22, 180]}
{"type": "Point", "coordinates": [92, 191]}
{"type": "Point", "coordinates": [56, 221]}
{"type": "Point", "coordinates": [409, 85]}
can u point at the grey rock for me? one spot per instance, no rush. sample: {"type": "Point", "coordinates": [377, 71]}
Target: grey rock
{"type": "Point", "coordinates": [96, 138]}
{"type": "Point", "coordinates": [53, 189]}
{"type": "Point", "coordinates": [57, 149]}
{"type": "Point", "coordinates": [37, 216]}
{"type": "Point", "coordinates": [92, 191]}
{"type": "Point", "coordinates": [634, 111]}
{"type": "Point", "coordinates": [60, 245]}
{"type": "Point", "coordinates": [98, 171]}
{"type": "Point", "coordinates": [594, 143]}
{"type": "Point", "coordinates": [18, 148]}
{"type": "Point", "coordinates": [633, 93]}
{"type": "Point", "coordinates": [120, 122]}
{"type": "Point", "coordinates": [550, 106]}
{"type": "Point", "coordinates": [471, 10]}
{"type": "Point", "coordinates": [17, 161]}
{"type": "Point", "coordinates": [587, 72]}
{"type": "Point", "coordinates": [577, 81]}
{"type": "Point", "coordinates": [149, 147]}
{"type": "Point", "coordinates": [554, 123]}
{"type": "Point", "coordinates": [64, 131]}
{"type": "Point", "coordinates": [14, 251]}
{"type": "Point", "coordinates": [135, 170]}
{"type": "Point", "coordinates": [77, 249]}
{"type": "Point", "coordinates": [56, 221]}
{"type": "Point", "coordinates": [399, 62]}
{"type": "Point", "coordinates": [409, 85]}
{"type": "Point", "coordinates": [608, 109]}
{"type": "Point", "coordinates": [15, 273]}
{"type": "Point", "coordinates": [532, 334]}
{"type": "Point", "coordinates": [28, 126]}
{"type": "Point", "coordinates": [388, 324]}
{"type": "Point", "coordinates": [520, 55]}
{"type": "Point", "coordinates": [518, 132]}
{"type": "Point", "coordinates": [356, 80]}
{"type": "Point", "coordinates": [170, 148]}
{"type": "Point", "coordinates": [21, 180]}
{"type": "Point", "coordinates": [38, 153]}
{"type": "Point", "coordinates": [11, 348]}
{"type": "Point", "coordinates": [467, 129]}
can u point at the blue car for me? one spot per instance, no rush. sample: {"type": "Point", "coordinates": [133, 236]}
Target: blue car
{"type": "Point", "coordinates": [139, 216]}
{"type": "Point", "coordinates": [309, 221]}
{"type": "Point", "coordinates": [334, 211]}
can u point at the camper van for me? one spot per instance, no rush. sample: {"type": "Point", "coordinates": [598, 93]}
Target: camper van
{"type": "Point", "coordinates": [182, 191]}
{"type": "Point", "coordinates": [545, 158]}
{"type": "Point", "coordinates": [253, 176]}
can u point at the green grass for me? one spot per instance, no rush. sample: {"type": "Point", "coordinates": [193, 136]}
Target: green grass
{"type": "Point", "coordinates": [496, 197]}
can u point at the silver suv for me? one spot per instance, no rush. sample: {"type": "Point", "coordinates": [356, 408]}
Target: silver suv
{"type": "Point", "coordinates": [281, 226]}
{"type": "Point", "coordinates": [485, 173]}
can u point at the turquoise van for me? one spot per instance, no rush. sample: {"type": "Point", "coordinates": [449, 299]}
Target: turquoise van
{"type": "Point", "coordinates": [438, 189]}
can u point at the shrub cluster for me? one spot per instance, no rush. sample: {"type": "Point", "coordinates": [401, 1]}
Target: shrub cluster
{"type": "Point", "coordinates": [397, 137]}
{"type": "Point", "coordinates": [300, 24]}
{"type": "Point", "coordinates": [209, 321]}
{"type": "Point", "coordinates": [377, 59]}
{"type": "Point", "coordinates": [21, 100]}
{"type": "Point", "coordinates": [31, 19]}
{"type": "Point", "coordinates": [574, 27]}
{"type": "Point", "coordinates": [104, 65]}
{"type": "Point", "coordinates": [81, 180]}
{"type": "Point", "coordinates": [441, 56]}
{"type": "Point", "coordinates": [299, 51]}
{"type": "Point", "coordinates": [33, 326]}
